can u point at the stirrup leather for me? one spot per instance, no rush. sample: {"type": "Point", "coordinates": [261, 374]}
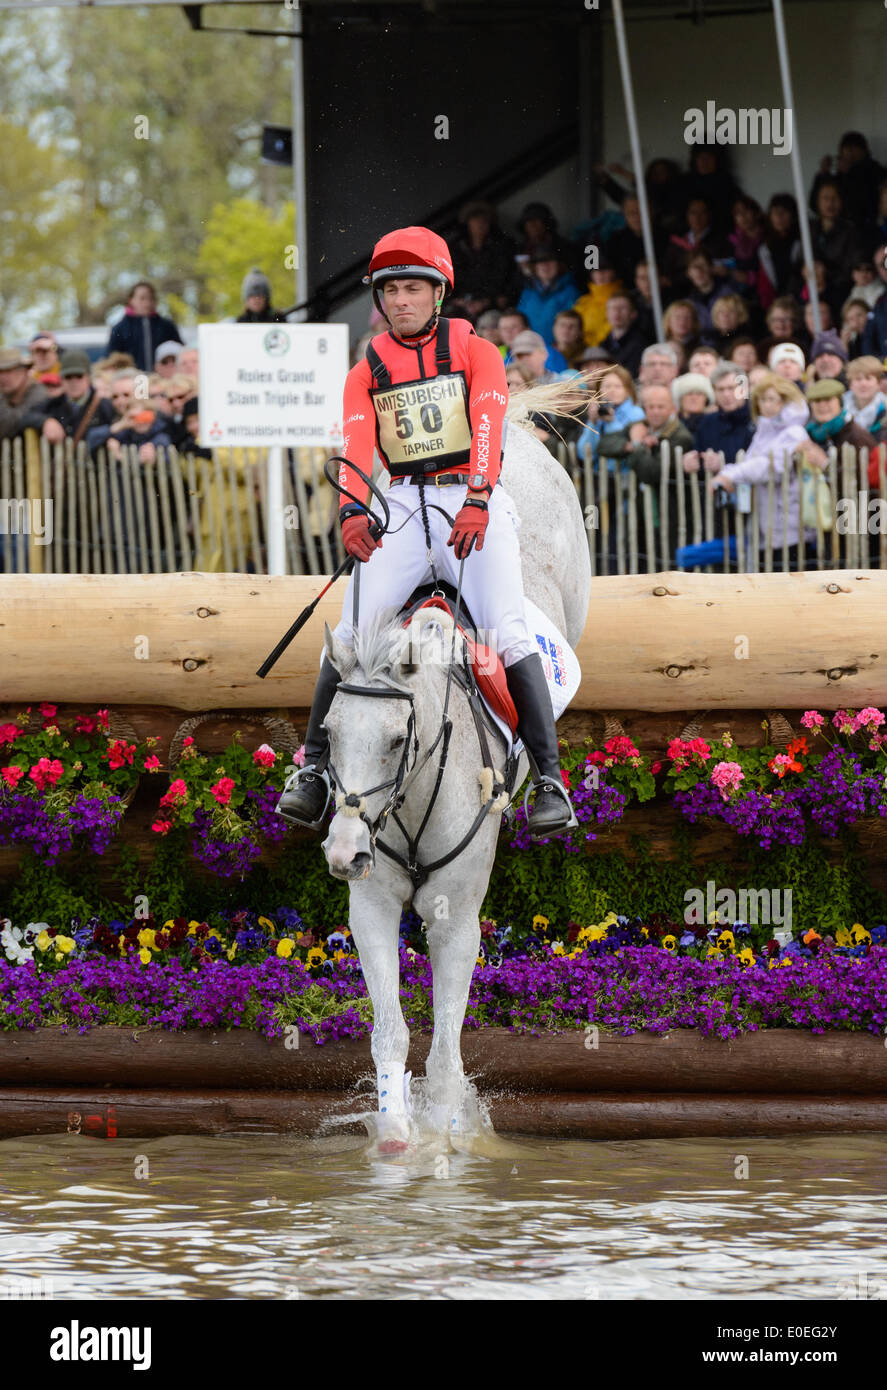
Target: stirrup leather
{"type": "Point", "coordinates": [292, 783]}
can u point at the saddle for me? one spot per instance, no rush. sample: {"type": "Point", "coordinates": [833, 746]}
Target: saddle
{"type": "Point", "coordinates": [487, 669]}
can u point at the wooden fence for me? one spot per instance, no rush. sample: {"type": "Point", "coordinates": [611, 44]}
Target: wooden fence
{"type": "Point", "coordinates": [63, 511]}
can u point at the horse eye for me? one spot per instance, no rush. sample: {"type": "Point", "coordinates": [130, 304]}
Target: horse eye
{"type": "Point", "coordinates": [398, 742]}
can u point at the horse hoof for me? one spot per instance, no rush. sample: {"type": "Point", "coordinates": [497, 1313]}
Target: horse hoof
{"type": "Point", "coordinates": [393, 1146]}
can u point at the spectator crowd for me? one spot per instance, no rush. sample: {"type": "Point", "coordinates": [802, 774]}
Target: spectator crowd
{"type": "Point", "coordinates": [739, 374]}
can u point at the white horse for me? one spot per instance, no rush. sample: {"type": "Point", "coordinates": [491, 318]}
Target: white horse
{"type": "Point", "coordinates": [373, 739]}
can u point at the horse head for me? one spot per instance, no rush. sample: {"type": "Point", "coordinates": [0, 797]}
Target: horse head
{"type": "Point", "coordinates": [375, 726]}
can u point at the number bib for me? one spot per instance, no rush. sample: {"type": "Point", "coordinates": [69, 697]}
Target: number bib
{"type": "Point", "coordinates": [423, 426]}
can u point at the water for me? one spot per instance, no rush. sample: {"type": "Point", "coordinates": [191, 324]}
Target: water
{"type": "Point", "coordinates": [267, 1216]}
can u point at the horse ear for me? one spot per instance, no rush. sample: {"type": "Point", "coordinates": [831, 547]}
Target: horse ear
{"type": "Point", "coordinates": [342, 657]}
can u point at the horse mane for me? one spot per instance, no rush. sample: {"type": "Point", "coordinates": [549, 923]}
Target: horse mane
{"type": "Point", "coordinates": [382, 643]}
{"type": "Point", "coordinates": [567, 398]}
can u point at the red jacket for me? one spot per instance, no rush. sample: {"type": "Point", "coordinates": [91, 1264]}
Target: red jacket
{"type": "Point", "coordinates": [415, 422]}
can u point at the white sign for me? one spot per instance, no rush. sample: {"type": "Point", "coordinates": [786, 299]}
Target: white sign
{"type": "Point", "coordinates": [272, 384]}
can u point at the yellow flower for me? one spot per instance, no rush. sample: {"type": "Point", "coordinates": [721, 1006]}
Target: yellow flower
{"type": "Point", "coordinates": [712, 952]}
{"type": "Point", "coordinates": [214, 932]}
{"type": "Point", "coordinates": [746, 956]}
{"type": "Point", "coordinates": [168, 925]}
{"type": "Point", "coordinates": [121, 943]}
{"type": "Point", "coordinates": [192, 928]}
{"type": "Point", "coordinates": [147, 937]}
{"type": "Point", "coordinates": [669, 942]}
{"type": "Point", "coordinates": [860, 935]}
{"type": "Point", "coordinates": [557, 948]}
{"type": "Point", "coordinates": [230, 953]}
{"type": "Point", "coordinates": [144, 955]}
{"type": "Point", "coordinates": [263, 922]}
{"type": "Point", "coordinates": [285, 947]}
{"type": "Point", "coordinates": [65, 944]}
{"type": "Point", "coordinates": [480, 961]}
{"type": "Point", "coordinates": [43, 941]}
{"type": "Point", "coordinates": [843, 937]}
{"type": "Point", "coordinates": [645, 931]}
{"type": "Point", "coordinates": [59, 956]}
{"type": "Point", "coordinates": [315, 956]}
{"type": "Point", "coordinates": [539, 921]}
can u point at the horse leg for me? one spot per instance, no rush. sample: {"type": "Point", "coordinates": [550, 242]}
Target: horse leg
{"type": "Point", "coordinates": [453, 945]}
{"type": "Point", "coordinates": [375, 925]}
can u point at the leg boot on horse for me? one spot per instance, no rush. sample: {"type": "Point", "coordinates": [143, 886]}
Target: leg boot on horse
{"type": "Point", "coordinates": [551, 811]}
{"type": "Point", "coordinates": [307, 791]}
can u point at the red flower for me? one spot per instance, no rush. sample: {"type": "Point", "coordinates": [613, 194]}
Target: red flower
{"type": "Point", "coordinates": [48, 711]}
{"type": "Point", "coordinates": [102, 716]}
{"type": "Point", "coordinates": [46, 771]}
{"type": "Point", "coordinates": [186, 742]}
{"type": "Point", "coordinates": [12, 775]}
{"type": "Point", "coordinates": [565, 778]}
{"type": "Point", "coordinates": [10, 732]}
{"type": "Point", "coordinates": [153, 763]}
{"type": "Point", "coordinates": [84, 724]}
{"type": "Point", "coordinates": [656, 767]}
{"type": "Point", "coordinates": [120, 753]}
{"type": "Point", "coordinates": [162, 826]}
{"type": "Point", "coordinates": [222, 790]}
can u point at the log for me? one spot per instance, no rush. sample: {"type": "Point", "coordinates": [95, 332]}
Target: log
{"type": "Point", "coordinates": [111, 1115]}
{"type": "Point", "coordinates": [655, 642]}
{"type": "Point", "coordinates": [778, 1060]}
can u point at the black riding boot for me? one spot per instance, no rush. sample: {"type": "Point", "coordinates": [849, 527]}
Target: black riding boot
{"type": "Point", "coordinates": [305, 796]}
{"type": "Point", "coordinates": [551, 810]}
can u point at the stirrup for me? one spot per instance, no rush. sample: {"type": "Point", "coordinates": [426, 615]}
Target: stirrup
{"type": "Point", "coordinates": [549, 784]}
{"type": "Point", "coordinates": [292, 783]}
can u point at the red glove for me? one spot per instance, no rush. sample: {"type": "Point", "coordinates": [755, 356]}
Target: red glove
{"type": "Point", "coordinates": [469, 527]}
{"type": "Point", "coordinates": [356, 537]}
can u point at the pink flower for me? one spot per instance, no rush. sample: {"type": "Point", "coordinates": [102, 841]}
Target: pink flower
{"type": "Point", "coordinates": [222, 790]}
{"type": "Point", "coordinates": [868, 718]}
{"type": "Point", "coordinates": [48, 711]}
{"type": "Point", "coordinates": [152, 764]}
{"type": "Point", "coordinates": [299, 756]}
{"type": "Point", "coordinates": [843, 721]}
{"type": "Point", "coordinates": [120, 753]}
{"type": "Point", "coordinates": [264, 756]}
{"type": "Point", "coordinates": [656, 767]}
{"type": "Point", "coordinates": [102, 716]}
{"type": "Point", "coordinates": [162, 826]}
{"type": "Point", "coordinates": [186, 742]}
{"type": "Point", "coordinates": [177, 792]}
{"type": "Point", "coordinates": [726, 777]}
{"type": "Point", "coordinates": [12, 776]}
{"type": "Point", "coordinates": [45, 773]}
{"type": "Point", "coordinates": [84, 724]}
{"type": "Point", "coordinates": [812, 719]}
{"type": "Point", "coordinates": [10, 732]}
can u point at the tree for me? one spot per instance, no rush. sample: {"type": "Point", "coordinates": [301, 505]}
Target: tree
{"type": "Point", "coordinates": [239, 235]}
{"type": "Point", "coordinates": [150, 125]}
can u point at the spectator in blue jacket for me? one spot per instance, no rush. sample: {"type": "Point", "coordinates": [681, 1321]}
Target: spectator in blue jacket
{"type": "Point", "coordinates": [551, 289]}
{"type": "Point", "coordinates": [141, 330]}
{"type": "Point", "coordinates": [728, 428]}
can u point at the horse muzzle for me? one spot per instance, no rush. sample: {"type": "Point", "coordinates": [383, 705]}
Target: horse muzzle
{"type": "Point", "coordinates": [348, 848]}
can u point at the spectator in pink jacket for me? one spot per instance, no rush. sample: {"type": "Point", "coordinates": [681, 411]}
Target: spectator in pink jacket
{"type": "Point", "coordinates": [780, 414]}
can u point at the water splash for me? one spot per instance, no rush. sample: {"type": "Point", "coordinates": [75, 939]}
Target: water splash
{"type": "Point", "coordinates": [428, 1128]}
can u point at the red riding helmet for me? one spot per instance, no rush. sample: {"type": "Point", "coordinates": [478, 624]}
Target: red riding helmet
{"type": "Point", "coordinates": [412, 251]}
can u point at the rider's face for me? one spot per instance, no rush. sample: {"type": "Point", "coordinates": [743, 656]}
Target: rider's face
{"type": "Point", "coordinates": [408, 304]}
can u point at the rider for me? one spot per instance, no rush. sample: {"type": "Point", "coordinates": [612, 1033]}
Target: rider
{"type": "Point", "coordinates": [430, 397]}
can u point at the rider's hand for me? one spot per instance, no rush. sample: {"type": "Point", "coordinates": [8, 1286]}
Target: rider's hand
{"type": "Point", "coordinates": [356, 537]}
{"type": "Point", "coordinates": [469, 527]}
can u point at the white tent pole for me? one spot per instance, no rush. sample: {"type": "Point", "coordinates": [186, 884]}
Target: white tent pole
{"type": "Point", "coordinates": [631, 117]}
{"type": "Point", "coordinates": [797, 174]}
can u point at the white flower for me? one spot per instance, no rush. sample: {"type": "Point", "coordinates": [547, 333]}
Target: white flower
{"type": "Point", "coordinates": [10, 941]}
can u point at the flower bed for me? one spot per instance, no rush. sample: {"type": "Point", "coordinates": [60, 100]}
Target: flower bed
{"type": "Point", "coordinates": [266, 974]}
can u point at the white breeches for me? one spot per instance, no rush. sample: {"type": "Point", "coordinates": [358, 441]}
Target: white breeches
{"type": "Point", "coordinates": [492, 585]}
